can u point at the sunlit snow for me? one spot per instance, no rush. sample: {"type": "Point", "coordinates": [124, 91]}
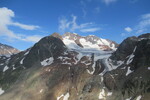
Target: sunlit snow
{"type": "Point", "coordinates": [102, 94]}
{"type": "Point", "coordinates": [65, 97]}
{"type": "Point", "coordinates": [47, 61]}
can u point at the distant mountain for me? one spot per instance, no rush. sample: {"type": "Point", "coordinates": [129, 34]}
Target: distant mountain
{"type": "Point", "coordinates": [7, 50]}
{"type": "Point", "coordinates": [55, 70]}
{"type": "Point", "coordinates": [75, 41]}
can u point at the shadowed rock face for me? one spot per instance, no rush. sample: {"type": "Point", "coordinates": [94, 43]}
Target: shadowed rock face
{"type": "Point", "coordinates": [132, 76]}
{"type": "Point", "coordinates": [144, 36]}
{"type": "Point", "coordinates": [7, 50]}
{"type": "Point", "coordinates": [69, 77]}
{"type": "Point", "coordinates": [47, 47]}
{"type": "Point", "coordinates": [142, 54]}
{"type": "Point", "coordinates": [125, 48]}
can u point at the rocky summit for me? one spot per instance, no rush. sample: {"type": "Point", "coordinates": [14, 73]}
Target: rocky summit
{"type": "Point", "coordinates": [73, 67]}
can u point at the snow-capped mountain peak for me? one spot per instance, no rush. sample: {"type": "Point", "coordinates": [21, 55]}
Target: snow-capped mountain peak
{"type": "Point", "coordinates": [75, 41]}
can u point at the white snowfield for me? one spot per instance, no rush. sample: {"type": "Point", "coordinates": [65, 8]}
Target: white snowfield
{"type": "Point", "coordinates": [70, 44]}
{"type": "Point", "coordinates": [87, 45]}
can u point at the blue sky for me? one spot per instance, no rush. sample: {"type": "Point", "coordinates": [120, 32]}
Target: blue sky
{"type": "Point", "coordinates": [24, 22]}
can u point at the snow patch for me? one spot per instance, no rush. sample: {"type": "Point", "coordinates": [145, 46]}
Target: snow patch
{"type": "Point", "coordinates": [58, 98]}
{"type": "Point", "coordinates": [1, 91]}
{"type": "Point", "coordinates": [139, 97]}
{"type": "Point", "coordinates": [1, 64]}
{"type": "Point", "coordinates": [102, 78]}
{"type": "Point", "coordinates": [5, 68]}
{"type": "Point", "coordinates": [109, 93]}
{"type": "Point", "coordinates": [112, 66]}
{"type": "Point", "coordinates": [27, 53]}
{"type": "Point", "coordinates": [65, 97]}
{"type": "Point", "coordinates": [128, 98]}
{"type": "Point", "coordinates": [41, 90]}
{"type": "Point", "coordinates": [64, 58]}
{"type": "Point", "coordinates": [66, 63]}
{"type": "Point", "coordinates": [21, 62]}
{"type": "Point", "coordinates": [128, 71]}
{"type": "Point", "coordinates": [47, 61]}
{"type": "Point", "coordinates": [134, 49]}
{"type": "Point", "coordinates": [102, 94]}
{"type": "Point", "coordinates": [93, 67]}
{"type": "Point", "coordinates": [107, 63]}
{"type": "Point", "coordinates": [130, 59]}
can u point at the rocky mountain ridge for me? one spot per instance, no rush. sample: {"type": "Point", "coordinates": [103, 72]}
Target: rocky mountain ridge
{"type": "Point", "coordinates": [50, 70]}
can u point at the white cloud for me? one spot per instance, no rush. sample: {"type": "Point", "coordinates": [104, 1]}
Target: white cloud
{"type": "Point", "coordinates": [144, 23]}
{"type": "Point", "coordinates": [72, 26]}
{"type": "Point", "coordinates": [26, 27]}
{"type": "Point", "coordinates": [145, 16]}
{"type": "Point", "coordinates": [6, 16]}
{"type": "Point", "coordinates": [107, 2]}
{"type": "Point", "coordinates": [128, 29]}
{"type": "Point", "coordinates": [143, 26]}
{"type": "Point", "coordinates": [33, 38]}
{"type": "Point", "coordinates": [90, 30]}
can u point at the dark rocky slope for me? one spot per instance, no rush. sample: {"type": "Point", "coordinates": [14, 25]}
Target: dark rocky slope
{"type": "Point", "coordinates": [132, 76]}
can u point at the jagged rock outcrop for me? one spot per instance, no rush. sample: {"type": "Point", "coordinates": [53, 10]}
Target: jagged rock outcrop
{"type": "Point", "coordinates": [125, 48]}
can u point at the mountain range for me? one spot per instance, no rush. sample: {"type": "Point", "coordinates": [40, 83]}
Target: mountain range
{"type": "Point", "coordinates": [73, 67]}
